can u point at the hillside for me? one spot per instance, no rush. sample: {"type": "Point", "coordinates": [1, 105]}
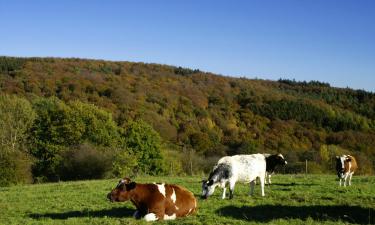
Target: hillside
{"type": "Point", "coordinates": [204, 115]}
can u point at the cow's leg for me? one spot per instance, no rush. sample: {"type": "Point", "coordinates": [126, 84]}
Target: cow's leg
{"type": "Point", "coordinates": [224, 189]}
{"type": "Point", "coordinates": [252, 184]}
{"type": "Point", "coordinates": [156, 210]}
{"type": "Point", "coordinates": [151, 217]}
{"type": "Point", "coordinates": [340, 182]}
{"type": "Point", "coordinates": [231, 188]}
{"type": "Point", "coordinates": [262, 184]}
{"type": "Point", "coordinates": [345, 178]}
{"type": "Point", "coordinates": [350, 179]}
{"type": "Point", "coordinates": [269, 179]}
{"type": "Point", "coordinates": [266, 178]}
{"type": "Point", "coordinates": [137, 215]}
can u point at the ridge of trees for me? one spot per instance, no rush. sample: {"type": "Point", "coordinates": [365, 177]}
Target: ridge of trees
{"type": "Point", "coordinates": [198, 115]}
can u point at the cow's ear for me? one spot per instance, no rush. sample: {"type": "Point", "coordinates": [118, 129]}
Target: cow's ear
{"type": "Point", "coordinates": [126, 180]}
{"type": "Point", "coordinates": [130, 186]}
{"type": "Point", "coordinates": [204, 181]}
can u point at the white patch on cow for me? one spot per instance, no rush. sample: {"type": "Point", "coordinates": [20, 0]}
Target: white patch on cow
{"type": "Point", "coordinates": [189, 211]}
{"type": "Point", "coordinates": [161, 188]}
{"type": "Point", "coordinates": [119, 183]}
{"type": "Point", "coordinates": [173, 196]}
{"type": "Point", "coordinates": [342, 158]}
{"type": "Point", "coordinates": [171, 217]}
{"type": "Point", "coordinates": [281, 156]}
{"type": "Point", "coordinates": [150, 217]}
{"type": "Point", "coordinates": [176, 207]}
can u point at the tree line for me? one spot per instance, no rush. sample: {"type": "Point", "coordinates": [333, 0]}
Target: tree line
{"type": "Point", "coordinates": [83, 108]}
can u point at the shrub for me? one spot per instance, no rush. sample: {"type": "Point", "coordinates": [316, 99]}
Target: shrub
{"type": "Point", "coordinates": [84, 162]}
{"type": "Point", "coordinates": [15, 167]}
{"type": "Point", "coordinates": [124, 163]}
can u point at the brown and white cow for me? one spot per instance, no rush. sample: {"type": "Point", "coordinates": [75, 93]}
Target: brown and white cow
{"type": "Point", "coordinates": [346, 165]}
{"type": "Point", "coordinates": [155, 201]}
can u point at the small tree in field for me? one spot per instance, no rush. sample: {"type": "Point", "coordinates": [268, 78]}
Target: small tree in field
{"type": "Point", "coordinates": [16, 117]}
{"type": "Point", "coordinates": [142, 140]}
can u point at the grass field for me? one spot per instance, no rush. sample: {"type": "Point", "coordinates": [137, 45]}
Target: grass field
{"type": "Point", "coordinates": [292, 199]}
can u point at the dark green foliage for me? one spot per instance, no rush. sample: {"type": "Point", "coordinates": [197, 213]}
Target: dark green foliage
{"type": "Point", "coordinates": [59, 126]}
{"type": "Point", "coordinates": [185, 71]}
{"type": "Point", "coordinates": [85, 162]}
{"type": "Point", "coordinates": [304, 83]}
{"type": "Point", "coordinates": [9, 65]}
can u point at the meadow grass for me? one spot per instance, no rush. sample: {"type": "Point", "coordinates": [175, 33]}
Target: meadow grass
{"type": "Point", "coordinates": [291, 199]}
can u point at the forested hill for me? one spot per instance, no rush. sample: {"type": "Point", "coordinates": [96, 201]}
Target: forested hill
{"type": "Point", "coordinates": [209, 114]}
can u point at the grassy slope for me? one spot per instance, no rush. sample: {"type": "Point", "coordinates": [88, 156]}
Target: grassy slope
{"type": "Point", "coordinates": [292, 199]}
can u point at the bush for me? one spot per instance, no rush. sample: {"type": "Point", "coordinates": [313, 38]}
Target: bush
{"type": "Point", "coordinates": [15, 168]}
{"type": "Point", "coordinates": [124, 164]}
{"type": "Point", "coordinates": [84, 162]}
{"type": "Point", "coordinates": [193, 163]}
{"type": "Point", "coordinates": [173, 163]}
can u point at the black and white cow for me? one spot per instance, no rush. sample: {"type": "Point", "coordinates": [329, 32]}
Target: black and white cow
{"type": "Point", "coordinates": [243, 168]}
{"type": "Point", "coordinates": [271, 162]}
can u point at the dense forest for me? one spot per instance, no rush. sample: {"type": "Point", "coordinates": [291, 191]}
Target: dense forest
{"type": "Point", "coordinates": [68, 119]}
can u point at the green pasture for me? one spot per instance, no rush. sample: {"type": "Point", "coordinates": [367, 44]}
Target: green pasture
{"type": "Point", "coordinates": [291, 199]}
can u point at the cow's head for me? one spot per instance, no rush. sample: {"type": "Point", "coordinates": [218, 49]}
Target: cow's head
{"type": "Point", "coordinates": [121, 192]}
{"type": "Point", "coordinates": [280, 159]}
{"type": "Point", "coordinates": [208, 188]}
{"type": "Point", "coordinates": [340, 165]}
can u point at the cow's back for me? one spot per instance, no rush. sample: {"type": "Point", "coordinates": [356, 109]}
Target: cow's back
{"type": "Point", "coordinates": [247, 167]}
{"type": "Point", "coordinates": [179, 201]}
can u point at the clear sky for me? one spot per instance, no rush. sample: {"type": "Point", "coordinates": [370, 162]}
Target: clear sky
{"type": "Point", "coordinates": [326, 40]}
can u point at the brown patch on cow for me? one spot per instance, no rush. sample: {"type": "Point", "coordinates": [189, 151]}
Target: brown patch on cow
{"type": "Point", "coordinates": [350, 164]}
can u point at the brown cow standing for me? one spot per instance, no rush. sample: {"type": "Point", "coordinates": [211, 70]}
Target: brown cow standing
{"type": "Point", "coordinates": [155, 201]}
{"type": "Point", "coordinates": [346, 165]}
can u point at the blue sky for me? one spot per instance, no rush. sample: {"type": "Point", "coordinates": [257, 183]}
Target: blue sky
{"type": "Point", "coordinates": [326, 40]}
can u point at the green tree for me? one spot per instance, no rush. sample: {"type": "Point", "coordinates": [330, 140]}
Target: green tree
{"type": "Point", "coordinates": [100, 128]}
{"type": "Point", "coordinates": [16, 118]}
{"type": "Point", "coordinates": [55, 128]}
{"type": "Point", "coordinates": [142, 140]}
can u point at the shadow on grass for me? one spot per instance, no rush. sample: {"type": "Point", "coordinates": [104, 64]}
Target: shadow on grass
{"type": "Point", "coordinates": [291, 184]}
{"type": "Point", "coordinates": [266, 213]}
{"type": "Point", "coordinates": [114, 212]}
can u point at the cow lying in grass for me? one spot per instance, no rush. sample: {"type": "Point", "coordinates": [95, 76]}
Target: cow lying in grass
{"type": "Point", "coordinates": [243, 168]}
{"type": "Point", "coordinates": [155, 201]}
